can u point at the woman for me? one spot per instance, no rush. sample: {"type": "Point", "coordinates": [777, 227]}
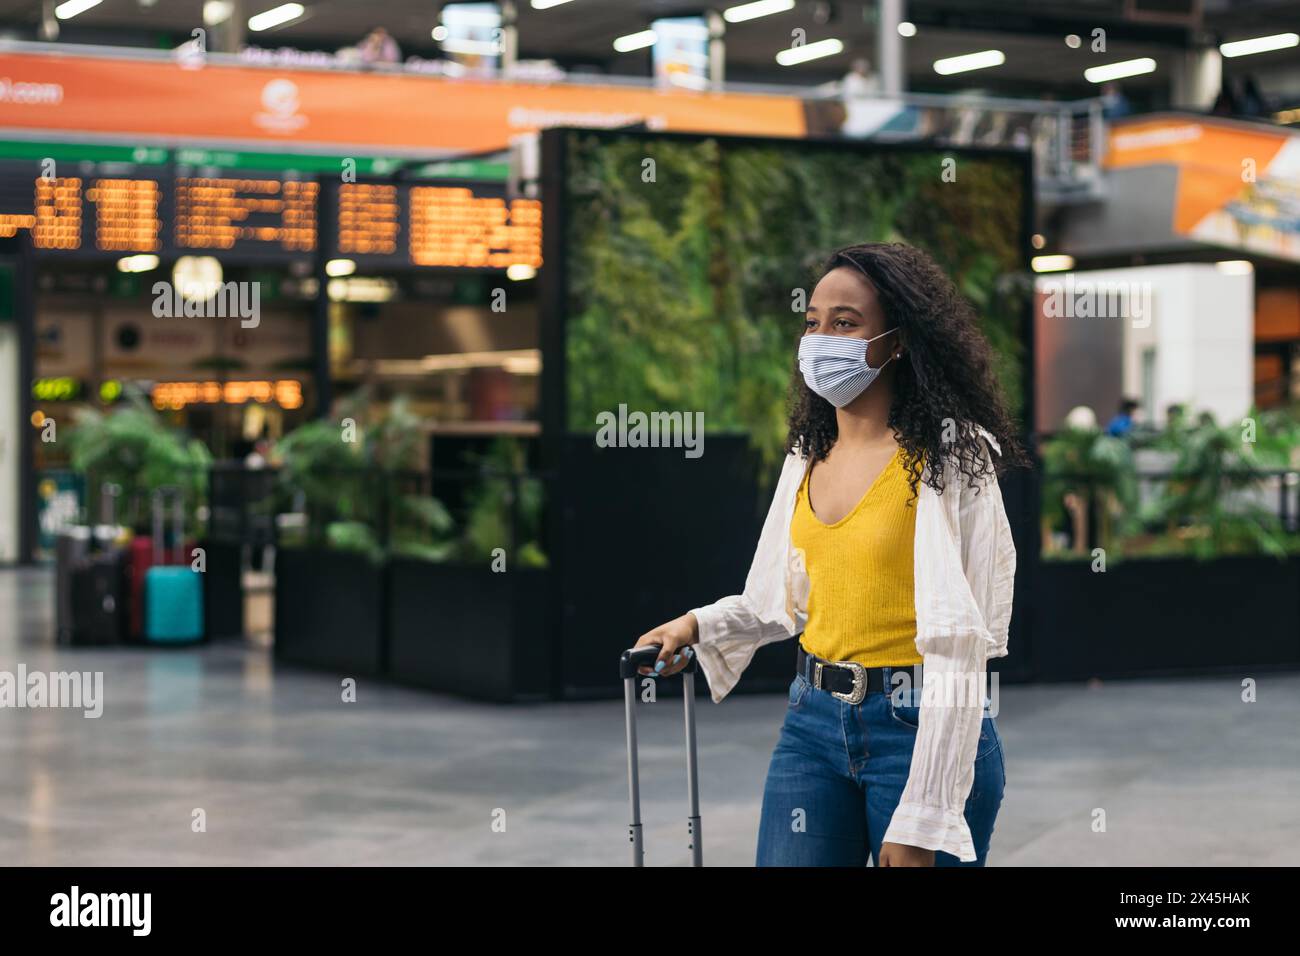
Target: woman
{"type": "Point", "coordinates": [887, 544]}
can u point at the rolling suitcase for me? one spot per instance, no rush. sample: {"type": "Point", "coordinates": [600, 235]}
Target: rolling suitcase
{"type": "Point", "coordinates": [141, 562]}
{"type": "Point", "coordinates": [71, 550]}
{"type": "Point", "coordinates": [627, 666]}
{"type": "Point", "coordinates": [98, 605]}
{"type": "Point", "coordinates": [173, 595]}
{"type": "Point", "coordinates": [91, 580]}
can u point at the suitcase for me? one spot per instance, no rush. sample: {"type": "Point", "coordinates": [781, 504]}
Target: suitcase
{"type": "Point", "coordinates": [173, 594]}
{"type": "Point", "coordinates": [141, 562]}
{"type": "Point", "coordinates": [90, 582]}
{"type": "Point", "coordinates": [71, 550]}
{"type": "Point", "coordinates": [98, 605]}
{"type": "Point", "coordinates": [628, 664]}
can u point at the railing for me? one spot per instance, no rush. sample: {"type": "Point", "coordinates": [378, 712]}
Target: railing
{"type": "Point", "coordinates": [1242, 495]}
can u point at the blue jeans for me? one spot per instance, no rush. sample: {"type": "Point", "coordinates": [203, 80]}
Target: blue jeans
{"type": "Point", "coordinates": [844, 766]}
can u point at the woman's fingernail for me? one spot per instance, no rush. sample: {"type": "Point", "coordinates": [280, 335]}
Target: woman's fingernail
{"type": "Point", "coordinates": [659, 666]}
{"type": "Point", "coordinates": [688, 652]}
{"type": "Point", "coordinates": [676, 658]}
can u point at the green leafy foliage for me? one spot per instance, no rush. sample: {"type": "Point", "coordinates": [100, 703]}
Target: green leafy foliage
{"type": "Point", "coordinates": [681, 289]}
{"type": "Point", "coordinates": [1214, 500]}
{"type": "Point", "coordinates": [132, 447]}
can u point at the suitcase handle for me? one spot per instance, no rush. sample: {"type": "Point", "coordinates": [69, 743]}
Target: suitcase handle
{"type": "Point", "coordinates": [629, 662]}
{"type": "Point", "coordinates": [645, 656]}
{"type": "Point", "coordinates": [160, 497]}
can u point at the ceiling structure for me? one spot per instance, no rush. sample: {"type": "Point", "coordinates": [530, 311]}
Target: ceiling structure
{"type": "Point", "coordinates": [579, 34]}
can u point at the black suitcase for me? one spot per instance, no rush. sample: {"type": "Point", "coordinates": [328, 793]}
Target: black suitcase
{"type": "Point", "coordinates": [71, 551]}
{"type": "Point", "coordinates": [99, 600]}
{"type": "Point", "coordinates": [93, 582]}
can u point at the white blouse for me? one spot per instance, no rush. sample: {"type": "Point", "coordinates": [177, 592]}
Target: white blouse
{"type": "Point", "coordinates": [965, 565]}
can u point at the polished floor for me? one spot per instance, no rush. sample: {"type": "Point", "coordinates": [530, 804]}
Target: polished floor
{"type": "Point", "coordinates": [285, 772]}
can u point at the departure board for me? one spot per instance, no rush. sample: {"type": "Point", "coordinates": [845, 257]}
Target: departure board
{"type": "Point", "coordinates": [108, 210]}
{"type": "Point", "coordinates": [443, 225]}
{"type": "Point", "coordinates": [241, 214]}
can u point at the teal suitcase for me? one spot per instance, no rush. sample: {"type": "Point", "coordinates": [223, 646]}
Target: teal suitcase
{"type": "Point", "coordinates": [173, 594]}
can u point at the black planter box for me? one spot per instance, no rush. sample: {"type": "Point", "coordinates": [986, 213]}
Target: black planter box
{"type": "Point", "coordinates": [330, 611]}
{"type": "Point", "coordinates": [469, 631]}
{"type": "Point", "coordinates": [1165, 617]}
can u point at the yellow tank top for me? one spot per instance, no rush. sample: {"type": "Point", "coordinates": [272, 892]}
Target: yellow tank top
{"type": "Point", "coordinates": [861, 602]}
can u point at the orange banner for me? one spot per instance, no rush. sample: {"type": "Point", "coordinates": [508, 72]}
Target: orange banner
{"type": "Point", "coordinates": [1218, 161]}
{"type": "Point", "coordinates": [209, 103]}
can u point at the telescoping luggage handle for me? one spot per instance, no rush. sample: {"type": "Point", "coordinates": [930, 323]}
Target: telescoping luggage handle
{"type": "Point", "coordinates": [178, 519]}
{"type": "Point", "coordinates": [628, 664]}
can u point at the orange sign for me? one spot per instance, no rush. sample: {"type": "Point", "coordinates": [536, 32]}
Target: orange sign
{"type": "Point", "coordinates": [1238, 183]}
{"type": "Point", "coordinates": [157, 100]}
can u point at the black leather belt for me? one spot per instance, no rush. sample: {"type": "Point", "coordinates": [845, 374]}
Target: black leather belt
{"type": "Point", "coordinates": [848, 680]}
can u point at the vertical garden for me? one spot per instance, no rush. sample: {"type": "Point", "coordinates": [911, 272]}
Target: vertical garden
{"type": "Point", "coordinates": [685, 254]}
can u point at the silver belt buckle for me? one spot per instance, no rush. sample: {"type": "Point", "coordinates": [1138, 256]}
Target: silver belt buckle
{"type": "Point", "coordinates": [859, 692]}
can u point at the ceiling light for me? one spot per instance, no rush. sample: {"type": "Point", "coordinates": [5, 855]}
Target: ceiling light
{"type": "Point", "coordinates": [1235, 267]}
{"type": "Point", "coordinates": [752, 11]}
{"type": "Point", "coordinates": [546, 4]}
{"type": "Point", "coordinates": [1278, 41]}
{"type": "Point", "coordinates": [969, 61]}
{"type": "Point", "coordinates": [809, 51]}
{"type": "Point", "coordinates": [1117, 71]}
{"type": "Point", "coordinates": [520, 271]}
{"type": "Point", "coordinates": [1073, 42]}
{"type": "Point", "coordinates": [906, 29]}
{"type": "Point", "coordinates": [68, 10]}
{"type": "Point", "coordinates": [276, 16]}
{"type": "Point", "coordinates": [440, 33]}
{"type": "Point", "coordinates": [635, 41]}
{"type": "Point", "coordinates": [1051, 263]}
{"type": "Point", "coordinates": [340, 267]}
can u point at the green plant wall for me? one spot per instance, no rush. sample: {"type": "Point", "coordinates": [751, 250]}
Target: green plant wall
{"type": "Point", "coordinates": [681, 288]}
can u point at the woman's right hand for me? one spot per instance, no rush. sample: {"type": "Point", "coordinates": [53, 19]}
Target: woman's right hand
{"type": "Point", "coordinates": [676, 636]}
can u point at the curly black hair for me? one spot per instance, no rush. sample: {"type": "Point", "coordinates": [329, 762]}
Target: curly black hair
{"type": "Point", "coordinates": [944, 386]}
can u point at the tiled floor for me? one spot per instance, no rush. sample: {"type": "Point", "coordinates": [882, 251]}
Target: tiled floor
{"type": "Point", "coordinates": [286, 773]}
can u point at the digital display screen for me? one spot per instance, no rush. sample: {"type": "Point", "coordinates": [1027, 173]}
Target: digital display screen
{"type": "Point", "coordinates": [107, 210]}
{"type": "Point", "coordinates": [445, 225]}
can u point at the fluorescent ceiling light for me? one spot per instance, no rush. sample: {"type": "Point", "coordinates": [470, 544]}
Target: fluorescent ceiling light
{"type": "Point", "coordinates": [1117, 71]}
{"type": "Point", "coordinates": [969, 61]}
{"type": "Point", "coordinates": [759, 8]}
{"type": "Point", "coordinates": [340, 267]}
{"type": "Point", "coordinates": [1278, 41]}
{"type": "Point", "coordinates": [635, 41]}
{"type": "Point", "coordinates": [1235, 267]}
{"type": "Point", "coordinates": [546, 4]}
{"type": "Point", "coordinates": [907, 29]}
{"type": "Point", "coordinates": [809, 51]}
{"type": "Point", "coordinates": [276, 16]}
{"type": "Point", "coordinates": [68, 10]}
{"type": "Point", "coordinates": [520, 271]}
{"type": "Point", "coordinates": [1051, 263]}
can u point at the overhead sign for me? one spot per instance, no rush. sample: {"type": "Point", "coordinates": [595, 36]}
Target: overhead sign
{"type": "Point", "coordinates": [1238, 183]}
{"type": "Point", "coordinates": [154, 101]}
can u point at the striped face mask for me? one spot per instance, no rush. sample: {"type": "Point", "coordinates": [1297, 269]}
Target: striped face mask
{"type": "Point", "coordinates": [835, 366]}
